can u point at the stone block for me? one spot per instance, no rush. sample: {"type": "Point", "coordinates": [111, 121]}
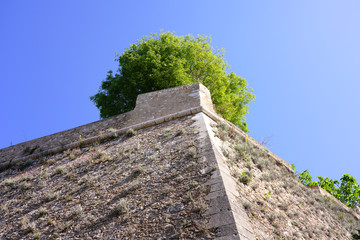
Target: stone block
{"type": "Point", "coordinates": [221, 219]}
{"type": "Point", "coordinates": [227, 230]}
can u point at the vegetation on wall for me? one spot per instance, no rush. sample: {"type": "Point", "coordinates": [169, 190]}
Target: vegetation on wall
{"type": "Point", "coordinates": [165, 60]}
{"type": "Point", "coordinates": [273, 196]}
{"type": "Point", "coordinates": [347, 190]}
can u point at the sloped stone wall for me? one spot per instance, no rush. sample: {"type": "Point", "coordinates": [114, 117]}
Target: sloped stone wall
{"type": "Point", "coordinates": [149, 107]}
{"type": "Point", "coordinates": [227, 214]}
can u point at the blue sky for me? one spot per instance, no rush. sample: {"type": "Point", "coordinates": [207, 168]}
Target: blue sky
{"type": "Point", "coordinates": [302, 58]}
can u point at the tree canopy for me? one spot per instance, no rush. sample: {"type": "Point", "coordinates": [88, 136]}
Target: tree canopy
{"type": "Point", "coordinates": [347, 190]}
{"type": "Point", "coordinates": [165, 60]}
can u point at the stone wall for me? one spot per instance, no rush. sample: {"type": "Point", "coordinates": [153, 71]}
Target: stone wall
{"type": "Point", "coordinates": [226, 211]}
{"type": "Point", "coordinates": [151, 108]}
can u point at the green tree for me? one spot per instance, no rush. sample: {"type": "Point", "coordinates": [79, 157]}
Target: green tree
{"type": "Point", "coordinates": [165, 60]}
{"type": "Point", "coordinates": [330, 185]}
{"type": "Point", "coordinates": [347, 190]}
{"type": "Point", "coordinates": [305, 178]}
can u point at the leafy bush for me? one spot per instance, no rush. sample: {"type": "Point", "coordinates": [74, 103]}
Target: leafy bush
{"type": "Point", "coordinates": [245, 177]}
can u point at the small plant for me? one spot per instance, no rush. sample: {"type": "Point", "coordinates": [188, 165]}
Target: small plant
{"type": "Point", "coordinates": [340, 215]}
{"type": "Point", "coordinates": [254, 159]}
{"type": "Point", "coordinates": [42, 212]}
{"type": "Point", "coordinates": [26, 225]}
{"type": "Point", "coordinates": [271, 217]}
{"type": "Point", "coordinates": [199, 206]}
{"type": "Point", "coordinates": [214, 167]}
{"type": "Point", "coordinates": [28, 150]}
{"type": "Point", "coordinates": [138, 146]}
{"type": "Point", "coordinates": [87, 181]}
{"type": "Point", "coordinates": [223, 132]}
{"type": "Point", "coordinates": [240, 147]}
{"type": "Point", "coordinates": [254, 186]}
{"type": "Point", "coordinates": [37, 235]}
{"type": "Point", "coordinates": [77, 211]}
{"type": "Point", "coordinates": [25, 177]}
{"type": "Point", "coordinates": [81, 141]}
{"type": "Point", "coordinates": [248, 165]}
{"type": "Point", "coordinates": [193, 183]}
{"type": "Point", "coordinates": [120, 208]}
{"type": "Point", "coordinates": [43, 173]}
{"type": "Point", "coordinates": [111, 130]}
{"type": "Point", "coordinates": [259, 202]}
{"type": "Point", "coordinates": [131, 132]}
{"type": "Point", "coordinates": [71, 176]}
{"type": "Point", "coordinates": [49, 221]}
{"type": "Point", "coordinates": [62, 227]}
{"type": "Point", "coordinates": [223, 126]}
{"type": "Point", "coordinates": [51, 162]}
{"type": "Point", "coordinates": [25, 186]}
{"type": "Point", "coordinates": [260, 164]}
{"type": "Point", "coordinates": [137, 172]}
{"type": "Point", "coordinates": [247, 206]}
{"type": "Point", "coordinates": [9, 182]}
{"type": "Point", "coordinates": [59, 170]}
{"type": "Point", "coordinates": [267, 195]}
{"type": "Point", "coordinates": [25, 164]}
{"type": "Point", "coordinates": [245, 177]}
{"type": "Point", "coordinates": [4, 208]}
{"type": "Point", "coordinates": [102, 156]}
{"type": "Point", "coordinates": [180, 132]}
{"type": "Point", "coordinates": [192, 152]}
{"type": "Point", "coordinates": [72, 156]}
{"type": "Point", "coordinates": [49, 196]}
{"type": "Point", "coordinates": [283, 207]}
{"type": "Point", "coordinates": [99, 154]}
{"type": "Point", "coordinates": [266, 177]}
{"type": "Point", "coordinates": [167, 132]}
{"type": "Point", "coordinates": [225, 152]}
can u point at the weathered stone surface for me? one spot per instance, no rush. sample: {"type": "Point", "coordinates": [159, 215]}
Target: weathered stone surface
{"type": "Point", "coordinates": [177, 207]}
{"type": "Point", "coordinates": [177, 178]}
{"type": "Point", "coordinates": [142, 187]}
{"type": "Point", "coordinates": [227, 230]}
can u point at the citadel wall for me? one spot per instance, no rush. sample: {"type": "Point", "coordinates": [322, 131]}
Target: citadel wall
{"type": "Point", "coordinates": [226, 211]}
{"type": "Point", "coordinates": [151, 108]}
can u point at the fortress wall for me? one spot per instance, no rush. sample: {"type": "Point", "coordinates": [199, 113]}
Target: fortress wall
{"type": "Point", "coordinates": [226, 211]}
{"type": "Point", "coordinates": [150, 109]}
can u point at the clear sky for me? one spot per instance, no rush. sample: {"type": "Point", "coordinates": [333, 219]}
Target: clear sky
{"type": "Point", "coordinates": [301, 57]}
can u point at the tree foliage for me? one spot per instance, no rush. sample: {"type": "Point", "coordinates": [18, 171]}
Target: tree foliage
{"type": "Point", "coordinates": [347, 190]}
{"type": "Point", "coordinates": [165, 60]}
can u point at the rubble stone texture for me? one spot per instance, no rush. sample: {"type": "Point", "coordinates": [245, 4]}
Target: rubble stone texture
{"type": "Point", "coordinates": [169, 169]}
